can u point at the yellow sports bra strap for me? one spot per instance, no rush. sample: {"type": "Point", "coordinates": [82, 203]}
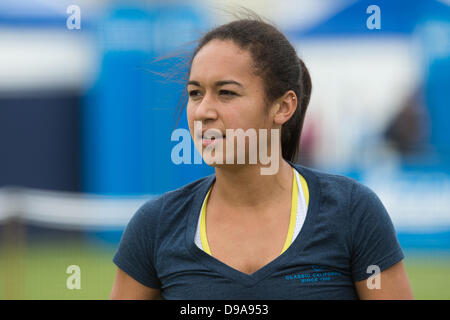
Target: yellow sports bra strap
{"type": "Point", "coordinates": [203, 237]}
{"type": "Point", "coordinates": [293, 212]}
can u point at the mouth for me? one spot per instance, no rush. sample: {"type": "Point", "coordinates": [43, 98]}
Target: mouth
{"type": "Point", "coordinates": [210, 140]}
{"type": "Point", "coordinates": [210, 134]}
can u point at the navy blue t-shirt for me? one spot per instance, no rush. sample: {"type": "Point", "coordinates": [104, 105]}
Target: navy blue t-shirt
{"type": "Point", "coordinates": [346, 230]}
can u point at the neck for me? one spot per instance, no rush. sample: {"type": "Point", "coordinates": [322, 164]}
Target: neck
{"type": "Point", "coordinates": [244, 186]}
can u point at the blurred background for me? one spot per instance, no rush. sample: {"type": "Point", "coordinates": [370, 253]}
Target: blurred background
{"type": "Point", "coordinates": [89, 92]}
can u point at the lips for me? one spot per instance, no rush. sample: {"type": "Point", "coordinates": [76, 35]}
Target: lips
{"type": "Point", "coordinates": [210, 140]}
{"type": "Point", "coordinates": [210, 136]}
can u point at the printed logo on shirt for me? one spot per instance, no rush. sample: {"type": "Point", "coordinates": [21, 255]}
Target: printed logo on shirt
{"type": "Point", "coordinates": [318, 275]}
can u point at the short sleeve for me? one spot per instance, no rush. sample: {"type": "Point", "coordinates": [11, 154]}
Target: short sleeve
{"type": "Point", "coordinates": [374, 239]}
{"type": "Point", "coordinates": [135, 252]}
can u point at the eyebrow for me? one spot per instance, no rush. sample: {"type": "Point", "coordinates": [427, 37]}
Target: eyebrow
{"type": "Point", "coordinates": [217, 83]}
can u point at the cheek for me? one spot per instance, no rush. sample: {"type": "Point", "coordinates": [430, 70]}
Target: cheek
{"type": "Point", "coordinates": [190, 118]}
{"type": "Point", "coordinates": [250, 117]}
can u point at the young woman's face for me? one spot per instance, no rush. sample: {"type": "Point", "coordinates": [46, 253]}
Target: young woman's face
{"type": "Point", "coordinates": [224, 93]}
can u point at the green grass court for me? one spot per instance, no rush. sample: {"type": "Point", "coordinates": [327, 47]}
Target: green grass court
{"type": "Point", "coordinates": [38, 271]}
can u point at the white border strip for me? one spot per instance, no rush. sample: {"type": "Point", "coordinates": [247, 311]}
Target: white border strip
{"type": "Point", "coordinates": [68, 210]}
{"type": "Point", "coordinates": [422, 210]}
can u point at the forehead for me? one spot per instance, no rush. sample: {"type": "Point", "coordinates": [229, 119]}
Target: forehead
{"type": "Point", "coordinates": [222, 59]}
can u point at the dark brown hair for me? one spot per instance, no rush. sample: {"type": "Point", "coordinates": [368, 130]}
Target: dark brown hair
{"type": "Point", "coordinates": [277, 63]}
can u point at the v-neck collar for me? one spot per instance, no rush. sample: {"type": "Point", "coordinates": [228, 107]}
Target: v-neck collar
{"type": "Point", "coordinates": [292, 216]}
{"type": "Point", "coordinates": [229, 272]}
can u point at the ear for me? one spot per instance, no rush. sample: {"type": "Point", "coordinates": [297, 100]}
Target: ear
{"type": "Point", "coordinates": [284, 107]}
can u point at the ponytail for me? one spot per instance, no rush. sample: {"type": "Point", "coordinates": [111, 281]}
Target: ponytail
{"type": "Point", "coordinates": [291, 130]}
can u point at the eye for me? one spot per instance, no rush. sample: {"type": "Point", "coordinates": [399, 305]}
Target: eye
{"type": "Point", "coordinates": [227, 93]}
{"type": "Point", "coordinates": [194, 93]}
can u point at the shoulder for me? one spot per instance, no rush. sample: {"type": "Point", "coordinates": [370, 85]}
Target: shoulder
{"type": "Point", "coordinates": [353, 212]}
{"type": "Point", "coordinates": [335, 189]}
{"type": "Point", "coordinates": [328, 185]}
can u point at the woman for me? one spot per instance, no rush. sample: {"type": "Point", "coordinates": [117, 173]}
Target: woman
{"type": "Point", "coordinates": [296, 233]}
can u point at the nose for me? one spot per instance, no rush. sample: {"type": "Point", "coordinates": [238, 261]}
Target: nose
{"type": "Point", "coordinates": [206, 109]}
